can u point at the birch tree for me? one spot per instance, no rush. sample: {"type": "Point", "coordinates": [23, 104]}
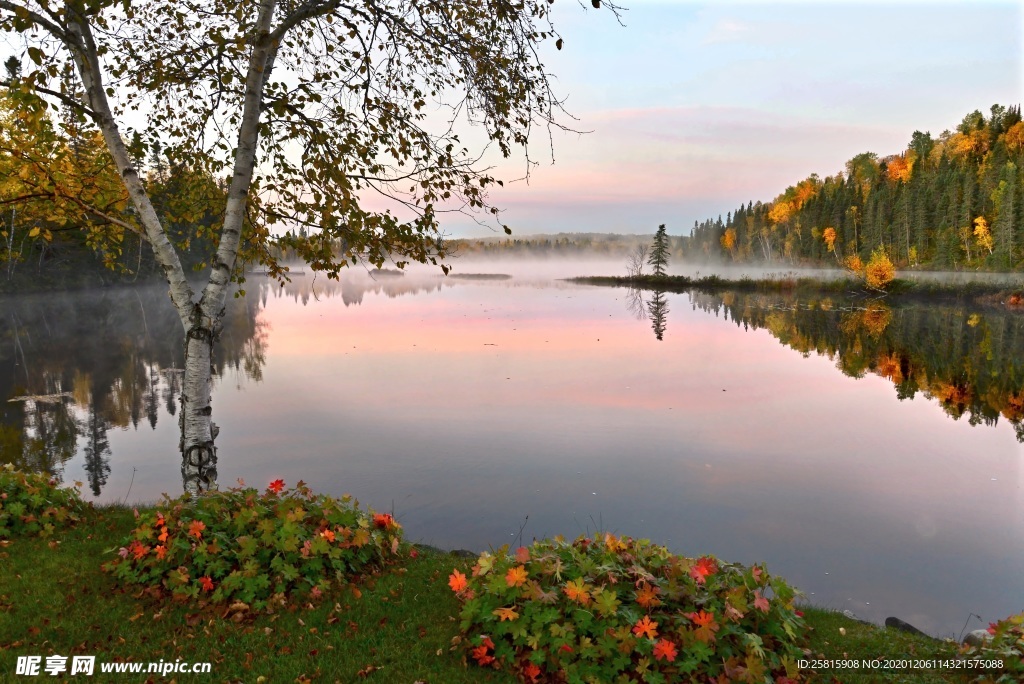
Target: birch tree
{"type": "Point", "coordinates": [335, 124]}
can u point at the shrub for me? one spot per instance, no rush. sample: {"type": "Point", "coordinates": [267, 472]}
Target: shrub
{"type": "Point", "coordinates": [880, 270]}
{"type": "Point", "coordinates": [1007, 645]}
{"type": "Point", "coordinates": [622, 610]}
{"type": "Point", "coordinates": [31, 504]}
{"type": "Point", "coordinates": [257, 548]}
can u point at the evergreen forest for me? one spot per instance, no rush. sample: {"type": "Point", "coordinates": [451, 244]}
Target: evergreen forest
{"type": "Point", "coordinates": [947, 202]}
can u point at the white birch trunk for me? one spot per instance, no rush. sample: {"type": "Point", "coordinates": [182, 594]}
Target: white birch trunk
{"type": "Point", "coordinates": [202, 319]}
{"type": "Point", "coordinates": [198, 432]}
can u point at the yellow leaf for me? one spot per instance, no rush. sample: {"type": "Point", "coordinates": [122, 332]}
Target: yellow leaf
{"type": "Point", "coordinates": [505, 613]}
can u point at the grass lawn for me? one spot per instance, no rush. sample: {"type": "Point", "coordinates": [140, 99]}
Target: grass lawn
{"type": "Point", "coordinates": [395, 628]}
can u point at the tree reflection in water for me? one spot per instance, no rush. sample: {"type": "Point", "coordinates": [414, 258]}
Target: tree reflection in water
{"type": "Point", "coordinates": [74, 365]}
{"type": "Point", "coordinates": [654, 309]}
{"type": "Point", "coordinates": [969, 359]}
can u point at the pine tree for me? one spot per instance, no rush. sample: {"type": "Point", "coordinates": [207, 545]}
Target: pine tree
{"type": "Point", "coordinates": [659, 252]}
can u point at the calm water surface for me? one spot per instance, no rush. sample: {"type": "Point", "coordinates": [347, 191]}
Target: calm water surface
{"type": "Point", "coordinates": [756, 429]}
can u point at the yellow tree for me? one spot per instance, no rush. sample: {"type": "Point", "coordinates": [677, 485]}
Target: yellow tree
{"type": "Point", "coordinates": [829, 235]}
{"type": "Point", "coordinates": [781, 211]}
{"type": "Point", "coordinates": [982, 234]}
{"type": "Point", "coordinates": [1014, 137]}
{"type": "Point", "coordinates": [898, 169]}
{"type": "Point", "coordinates": [24, 129]}
{"type": "Point", "coordinates": [57, 179]}
{"type": "Point", "coordinates": [880, 270]}
{"type": "Point", "coordinates": [729, 240]}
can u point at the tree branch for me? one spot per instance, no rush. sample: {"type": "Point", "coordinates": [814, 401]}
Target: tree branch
{"type": "Point", "coordinates": [50, 27]}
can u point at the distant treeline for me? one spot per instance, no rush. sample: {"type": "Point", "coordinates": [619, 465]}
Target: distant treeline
{"type": "Point", "coordinates": [561, 244]}
{"type": "Point", "coordinates": [949, 202]}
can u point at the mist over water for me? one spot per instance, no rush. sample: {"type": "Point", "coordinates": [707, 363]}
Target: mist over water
{"type": "Point", "coordinates": [870, 455]}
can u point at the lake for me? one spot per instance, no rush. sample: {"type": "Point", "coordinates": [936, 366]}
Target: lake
{"type": "Point", "coordinates": [869, 452]}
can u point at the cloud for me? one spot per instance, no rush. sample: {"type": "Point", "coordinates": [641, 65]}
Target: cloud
{"type": "Point", "coordinates": [699, 152]}
{"type": "Point", "coordinates": [640, 167]}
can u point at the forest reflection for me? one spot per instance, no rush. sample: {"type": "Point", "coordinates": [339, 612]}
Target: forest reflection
{"type": "Point", "coordinates": [970, 360]}
{"type": "Point", "coordinates": [75, 365]}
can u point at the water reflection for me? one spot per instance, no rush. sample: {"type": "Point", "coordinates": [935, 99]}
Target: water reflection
{"type": "Point", "coordinates": [970, 360]}
{"type": "Point", "coordinates": [655, 309]}
{"type": "Point", "coordinates": [74, 366]}
{"type": "Point", "coordinates": [658, 310]}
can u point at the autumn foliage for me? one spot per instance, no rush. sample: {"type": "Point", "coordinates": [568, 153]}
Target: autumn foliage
{"type": "Point", "coordinates": [899, 169]}
{"type": "Point", "coordinates": [33, 505]}
{"type": "Point", "coordinates": [854, 265]}
{"type": "Point", "coordinates": [906, 201]}
{"type": "Point", "coordinates": [610, 608]}
{"type": "Point", "coordinates": [1006, 646]}
{"type": "Point", "coordinates": [262, 549]}
{"type": "Point", "coordinates": [829, 236]}
{"type": "Point", "coordinates": [880, 270]}
{"type": "Point", "coordinates": [729, 240]}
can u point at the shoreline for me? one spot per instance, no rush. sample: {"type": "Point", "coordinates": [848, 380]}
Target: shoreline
{"type": "Point", "coordinates": [407, 606]}
{"type": "Point", "coordinates": [1011, 298]}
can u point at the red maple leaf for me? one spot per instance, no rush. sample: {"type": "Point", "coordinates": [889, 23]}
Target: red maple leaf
{"type": "Point", "coordinates": [665, 650]}
{"type": "Point", "coordinates": [481, 652]}
{"type": "Point", "coordinates": [207, 583]}
{"type": "Point", "coordinates": [647, 595]}
{"type": "Point", "coordinates": [704, 567]}
{"type": "Point", "coordinates": [531, 672]}
{"type": "Point", "coordinates": [760, 602]}
{"type": "Point", "coordinates": [702, 619]}
{"type": "Point", "coordinates": [276, 486]}
{"type": "Point", "coordinates": [383, 521]}
{"type": "Point", "coordinates": [481, 655]}
{"type": "Point", "coordinates": [457, 581]}
{"type": "Point", "coordinates": [577, 590]}
{"type": "Point", "coordinates": [515, 577]}
{"type": "Point", "coordinates": [646, 626]}
{"type": "Point", "coordinates": [196, 528]}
